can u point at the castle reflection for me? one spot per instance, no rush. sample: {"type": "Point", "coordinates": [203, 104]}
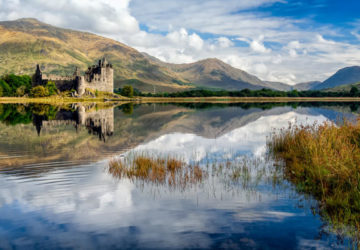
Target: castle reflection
{"type": "Point", "coordinates": [97, 122]}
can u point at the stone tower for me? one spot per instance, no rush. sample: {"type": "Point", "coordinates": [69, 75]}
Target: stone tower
{"type": "Point", "coordinates": [99, 77]}
{"type": "Point", "coordinates": [38, 77]}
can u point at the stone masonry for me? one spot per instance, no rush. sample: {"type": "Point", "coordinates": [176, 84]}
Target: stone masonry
{"type": "Point", "coordinates": [97, 77]}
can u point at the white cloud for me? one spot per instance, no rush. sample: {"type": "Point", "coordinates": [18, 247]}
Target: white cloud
{"type": "Point", "coordinates": [258, 46]}
{"type": "Point", "coordinates": [224, 42]}
{"type": "Point", "coordinates": [195, 41]}
{"type": "Point", "coordinates": [355, 34]}
{"type": "Point", "coordinates": [261, 68]}
{"type": "Point", "coordinates": [105, 17]}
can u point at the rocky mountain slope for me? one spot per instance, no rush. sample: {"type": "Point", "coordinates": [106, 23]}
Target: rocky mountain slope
{"type": "Point", "coordinates": [348, 75]}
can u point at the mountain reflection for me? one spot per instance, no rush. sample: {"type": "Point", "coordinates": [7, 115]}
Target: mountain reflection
{"type": "Point", "coordinates": [75, 134]}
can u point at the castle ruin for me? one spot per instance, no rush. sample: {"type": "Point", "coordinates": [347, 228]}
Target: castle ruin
{"type": "Point", "coordinates": [97, 77]}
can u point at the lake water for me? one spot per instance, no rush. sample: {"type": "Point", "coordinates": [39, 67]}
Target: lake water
{"type": "Point", "coordinates": [56, 191]}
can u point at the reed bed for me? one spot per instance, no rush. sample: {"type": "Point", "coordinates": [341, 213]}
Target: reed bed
{"type": "Point", "coordinates": [170, 171]}
{"type": "Point", "coordinates": [324, 160]}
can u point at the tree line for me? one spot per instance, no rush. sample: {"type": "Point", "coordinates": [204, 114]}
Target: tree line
{"type": "Point", "coordinates": [21, 85]}
{"type": "Point", "coordinates": [130, 92]}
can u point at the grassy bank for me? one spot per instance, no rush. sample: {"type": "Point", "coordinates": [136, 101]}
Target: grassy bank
{"type": "Point", "coordinates": [64, 100]}
{"type": "Point", "coordinates": [324, 161]}
{"type": "Point", "coordinates": [60, 100]}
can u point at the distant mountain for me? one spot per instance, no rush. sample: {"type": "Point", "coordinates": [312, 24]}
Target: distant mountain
{"type": "Point", "coordinates": [213, 73]}
{"type": "Point", "coordinates": [27, 42]}
{"type": "Point", "coordinates": [347, 75]}
{"type": "Point", "coordinates": [344, 87]}
{"type": "Point", "coordinates": [279, 86]}
{"type": "Point", "coordinates": [306, 85]}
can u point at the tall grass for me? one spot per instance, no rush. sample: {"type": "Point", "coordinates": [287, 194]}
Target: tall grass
{"type": "Point", "coordinates": [172, 172]}
{"type": "Point", "coordinates": [323, 160]}
{"type": "Point", "coordinates": [167, 170]}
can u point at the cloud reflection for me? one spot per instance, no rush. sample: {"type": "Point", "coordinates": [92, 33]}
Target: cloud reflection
{"type": "Point", "coordinates": [85, 207]}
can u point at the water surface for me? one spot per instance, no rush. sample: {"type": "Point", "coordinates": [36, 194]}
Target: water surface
{"type": "Point", "coordinates": [56, 192]}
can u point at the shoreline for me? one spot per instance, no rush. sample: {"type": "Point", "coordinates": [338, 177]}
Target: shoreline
{"type": "Point", "coordinates": [246, 99]}
{"type": "Point", "coordinates": [67, 100]}
{"type": "Point", "coordinates": [60, 100]}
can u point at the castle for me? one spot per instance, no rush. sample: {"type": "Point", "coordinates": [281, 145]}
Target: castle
{"type": "Point", "coordinates": [97, 77]}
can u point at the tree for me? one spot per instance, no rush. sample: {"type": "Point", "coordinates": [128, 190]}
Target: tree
{"type": "Point", "coordinates": [20, 91]}
{"type": "Point", "coordinates": [51, 88]}
{"type": "Point", "coordinates": [7, 91]}
{"type": "Point", "coordinates": [293, 93]}
{"type": "Point", "coordinates": [127, 91]}
{"type": "Point", "coordinates": [15, 82]}
{"type": "Point", "coordinates": [39, 91]}
{"type": "Point", "coordinates": [354, 91]}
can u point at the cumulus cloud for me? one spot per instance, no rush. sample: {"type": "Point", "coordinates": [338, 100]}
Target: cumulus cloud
{"type": "Point", "coordinates": [258, 46]}
{"type": "Point", "coordinates": [224, 42]}
{"type": "Point", "coordinates": [105, 17]}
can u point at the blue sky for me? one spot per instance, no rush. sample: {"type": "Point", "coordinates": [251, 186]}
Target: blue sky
{"type": "Point", "coordinates": [278, 40]}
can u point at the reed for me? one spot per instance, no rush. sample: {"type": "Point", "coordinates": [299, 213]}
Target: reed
{"type": "Point", "coordinates": [169, 170]}
{"type": "Point", "coordinates": [323, 160]}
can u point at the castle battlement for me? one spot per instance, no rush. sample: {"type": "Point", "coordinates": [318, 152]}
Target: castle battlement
{"type": "Point", "coordinates": [97, 77]}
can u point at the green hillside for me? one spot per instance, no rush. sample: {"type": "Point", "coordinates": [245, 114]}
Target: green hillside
{"type": "Point", "coordinates": [27, 42]}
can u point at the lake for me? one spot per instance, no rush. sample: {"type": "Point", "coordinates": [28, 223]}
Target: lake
{"type": "Point", "coordinates": [56, 190]}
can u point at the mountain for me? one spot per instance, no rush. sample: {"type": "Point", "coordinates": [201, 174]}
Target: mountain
{"type": "Point", "coordinates": [344, 87]}
{"type": "Point", "coordinates": [306, 85]}
{"type": "Point", "coordinates": [27, 42]}
{"type": "Point", "coordinates": [346, 75]}
{"type": "Point", "coordinates": [214, 73]}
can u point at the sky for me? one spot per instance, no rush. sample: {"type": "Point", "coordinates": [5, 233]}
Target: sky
{"type": "Point", "coordinates": [288, 41]}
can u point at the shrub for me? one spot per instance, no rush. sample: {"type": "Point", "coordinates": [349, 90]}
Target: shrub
{"type": "Point", "coordinates": [51, 88]}
{"type": "Point", "coordinates": [20, 91]}
{"type": "Point", "coordinates": [127, 91]}
{"type": "Point", "coordinates": [39, 91]}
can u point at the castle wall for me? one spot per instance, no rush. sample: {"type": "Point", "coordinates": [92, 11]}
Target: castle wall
{"type": "Point", "coordinates": [64, 85]}
{"type": "Point", "coordinates": [98, 77]}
